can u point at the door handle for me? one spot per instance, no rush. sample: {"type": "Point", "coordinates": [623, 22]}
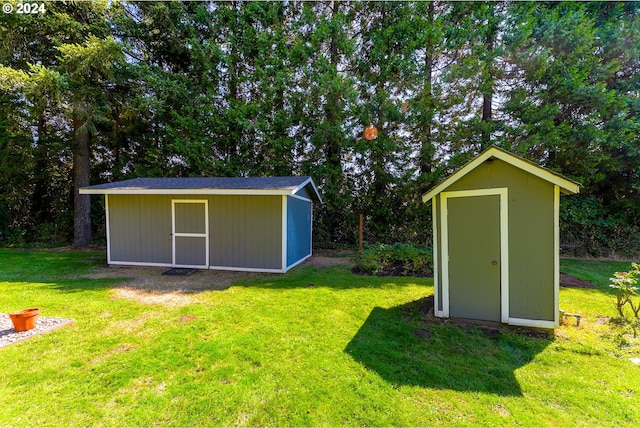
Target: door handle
{"type": "Point", "coordinates": [494, 262]}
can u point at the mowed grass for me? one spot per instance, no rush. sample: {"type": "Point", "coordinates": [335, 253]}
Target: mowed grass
{"type": "Point", "coordinates": [317, 346]}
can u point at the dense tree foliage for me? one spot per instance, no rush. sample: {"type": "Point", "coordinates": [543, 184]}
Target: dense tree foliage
{"type": "Point", "coordinates": [100, 91]}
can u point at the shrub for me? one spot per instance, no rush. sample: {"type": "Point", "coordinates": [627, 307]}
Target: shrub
{"type": "Point", "coordinates": [396, 260]}
{"type": "Point", "coordinates": [627, 294]}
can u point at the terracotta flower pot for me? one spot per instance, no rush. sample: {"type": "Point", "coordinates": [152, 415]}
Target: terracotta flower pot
{"type": "Point", "coordinates": [25, 319]}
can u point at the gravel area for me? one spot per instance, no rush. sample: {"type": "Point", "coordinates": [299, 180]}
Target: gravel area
{"type": "Point", "coordinates": [9, 336]}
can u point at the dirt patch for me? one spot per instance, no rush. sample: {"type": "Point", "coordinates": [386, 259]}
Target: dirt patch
{"type": "Point", "coordinates": [148, 286]}
{"type": "Point", "coordinates": [188, 318]}
{"type": "Point", "coordinates": [330, 258]}
{"type": "Point", "coordinates": [397, 269]}
{"type": "Point", "coordinates": [501, 410]}
{"type": "Point", "coordinates": [169, 299]}
{"type": "Point", "coordinates": [422, 333]}
{"type": "Point", "coordinates": [151, 279]}
{"type": "Point", "coordinates": [570, 281]}
{"type": "Point", "coordinates": [602, 320]}
{"type": "Point", "coordinates": [106, 355]}
{"type": "Point", "coordinates": [328, 261]}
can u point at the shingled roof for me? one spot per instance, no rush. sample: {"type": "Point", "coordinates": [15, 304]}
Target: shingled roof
{"type": "Point", "coordinates": [208, 186]}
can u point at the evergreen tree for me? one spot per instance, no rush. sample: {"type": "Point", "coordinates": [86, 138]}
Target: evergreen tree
{"type": "Point", "coordinates": [68, 56]}
{"type": "Point", "coordinates": [94, 91]}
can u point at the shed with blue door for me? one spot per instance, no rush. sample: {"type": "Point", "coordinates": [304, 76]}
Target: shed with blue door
{"type": "Point", "coordinates": [258, 224]}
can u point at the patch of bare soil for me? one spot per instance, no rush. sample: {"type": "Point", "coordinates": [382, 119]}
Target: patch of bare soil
{"type": "Point", "coordinates": [327, 257]}
{"type": "Point", "coordinates": [148, 286]}
{"type": "Point", "coordinates": [151, 279]}
{"type": "Point", "coordinates": [328, 261]}
{"type": "Point", "coordinates": [570, 281]}
{"type": "Point", "coordinates": [168, 299]}
{"type": "Point", "coordinates": [397, 269]}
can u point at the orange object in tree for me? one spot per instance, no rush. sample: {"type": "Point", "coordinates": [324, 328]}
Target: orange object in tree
{"type": "Point", "coordinates": [370, 132]}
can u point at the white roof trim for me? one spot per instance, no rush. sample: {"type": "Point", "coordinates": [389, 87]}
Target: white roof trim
{"type": "Point", "coordinates": [566, 185]}
{"type": "Point", "coordinates": [141, 191]}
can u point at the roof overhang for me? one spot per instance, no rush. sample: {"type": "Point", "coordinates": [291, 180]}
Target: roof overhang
{"type": "Point", "coordinates": [141, 190]}
{"type": "Point", "coordinates": [566, 185]}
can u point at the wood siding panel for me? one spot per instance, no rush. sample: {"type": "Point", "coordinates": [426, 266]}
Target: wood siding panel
{"type": "Point", "coordinates": [245, 231]}
{"type": "Point", "coordinates": [124, 228]}
{"type": "Point", "coordinates": [140, 228]}
{"type": "Point", "coordinates": [298, 229]}
{"type": "Point", "coordinates": [220, 231]}
{"type": "Point", "coordinates": [155, 229]}
{"type": "Point", "coordinates": [254, 248]}
{"type": "Point", "coordinates": [532, 253]}
{"type": "Point", "coordinates": [239, 229]}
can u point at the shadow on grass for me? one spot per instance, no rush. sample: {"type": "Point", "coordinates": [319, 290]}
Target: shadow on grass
{"type": "Point", "coordinates": [407, 345]}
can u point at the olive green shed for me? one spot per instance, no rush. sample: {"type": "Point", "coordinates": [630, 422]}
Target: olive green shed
{"type": "Point", "coordinates": [261, 224]}
{"type": "Point", "coordinates": [496, 241]}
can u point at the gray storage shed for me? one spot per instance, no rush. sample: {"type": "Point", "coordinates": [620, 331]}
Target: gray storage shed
{"type": "Point", "coordinates": [259, 224]}
{"type": "Point", "coordinates": [496, 241]}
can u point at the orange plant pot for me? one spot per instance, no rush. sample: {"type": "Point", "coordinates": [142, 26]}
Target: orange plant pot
{"type": "Point", "coordinates": [25, 319]}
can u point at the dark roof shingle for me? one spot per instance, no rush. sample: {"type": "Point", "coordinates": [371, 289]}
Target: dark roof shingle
{"type": "Point", "coordinates": [213, 185]}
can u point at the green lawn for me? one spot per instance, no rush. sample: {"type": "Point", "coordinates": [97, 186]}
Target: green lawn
{"type": "Point", "coordinates": [317, 346]}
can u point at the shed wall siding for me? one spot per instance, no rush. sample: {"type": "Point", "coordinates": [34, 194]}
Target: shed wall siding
{"type": "Point", "coordinates": [531, 276]}
{"type": "Point", "coordinates": [140, 228]}
{"type": "Point", "coordinates": [245, 231]}
{"type": "Point", "coordinates": [298, 230]}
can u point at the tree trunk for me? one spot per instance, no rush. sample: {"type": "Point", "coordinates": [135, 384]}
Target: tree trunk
{"type": "Point", "coordinates": [427, 149]}
{"type": "Point", "coordinates": [488, 84]}
{"type": "Point", "coordinates": [81, 203]}
{"type": "Point", "coordinates": [333, 149]}
{"type": "Point", "coordinates": [486, 119]}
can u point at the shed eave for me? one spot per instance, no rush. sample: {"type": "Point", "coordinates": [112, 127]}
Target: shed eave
{"type": "Point", "coordinates": [566, 186]}
{"type": "Point", "coordinates": [142, 191]}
